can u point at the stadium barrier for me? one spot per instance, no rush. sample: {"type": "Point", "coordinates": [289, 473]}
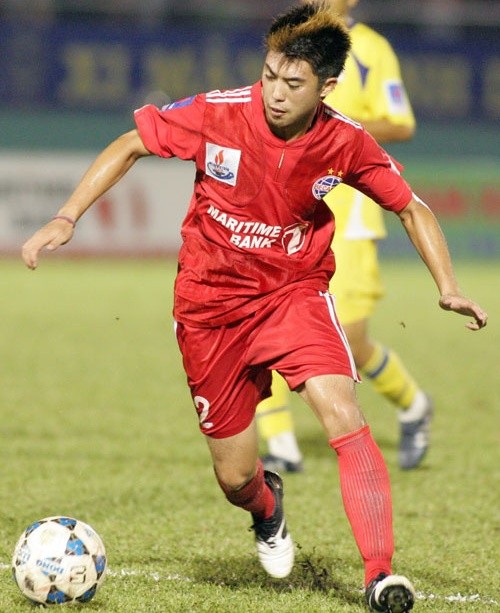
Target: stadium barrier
{"type": "Point", "coordinates": [142, 214]}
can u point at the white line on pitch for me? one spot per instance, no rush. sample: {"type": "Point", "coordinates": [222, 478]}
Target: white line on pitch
{"type": "Point", "coordinates": [127, 572]}
{"type": "Point", "coordinates": [156, 576]}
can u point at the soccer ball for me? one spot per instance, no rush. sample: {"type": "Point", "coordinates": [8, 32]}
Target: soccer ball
{"type": "Point", "coordinates": [58, 560]}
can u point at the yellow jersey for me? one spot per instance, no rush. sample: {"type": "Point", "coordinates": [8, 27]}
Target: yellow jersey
{"type": "Point", "coordinates": [369, 88]}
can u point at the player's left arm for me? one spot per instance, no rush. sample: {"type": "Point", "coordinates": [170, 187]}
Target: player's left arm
{"type": "Point", "coordinates": [390, 116]}
{"type": "Point", "coordinates": [425, 233]}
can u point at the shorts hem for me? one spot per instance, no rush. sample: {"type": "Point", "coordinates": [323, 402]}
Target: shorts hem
{"type": "Point", "coordinates": [319, 373]}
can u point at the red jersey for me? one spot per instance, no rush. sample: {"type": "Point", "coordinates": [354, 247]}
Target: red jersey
{"type": "Point", "coordinates": [256, 222]}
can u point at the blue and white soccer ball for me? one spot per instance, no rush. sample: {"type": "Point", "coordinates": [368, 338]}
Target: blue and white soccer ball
{"type": "Point", "coordinates": [59, 560]}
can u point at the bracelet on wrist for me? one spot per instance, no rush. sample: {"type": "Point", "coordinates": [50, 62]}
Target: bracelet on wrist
{"type": "Point", "coordinates": [65, 218]}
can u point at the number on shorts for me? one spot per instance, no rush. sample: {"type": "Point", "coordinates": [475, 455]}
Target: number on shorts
{"type": "Point", "coordinates": [202, 406]}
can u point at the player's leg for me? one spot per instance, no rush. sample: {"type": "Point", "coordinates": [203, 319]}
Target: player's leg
{"type": "Point", "coordinates": [227, 418]}
{"type": "Point", "coordinates": [314, 357]}
{"type": "Point", "coordinates": [364, 484]}
{"type": "Point", "coordinates": [357, 288]}
{"type": "Point", "coordinates": [235, 462]}
{"type": "Point", "coordinates": [363, 474]}
{"type": "Point", "coordinates": [276, 428]}
{"type": "Point", "coordinates": [389, 377]}
{"type": "Point", "coordinates": [317, 363]}
{"type": "Point", "coordinates": [247, 485]}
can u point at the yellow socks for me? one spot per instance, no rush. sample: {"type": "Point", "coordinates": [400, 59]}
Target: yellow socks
{"type": "Point", "coordinates": [275, 422]}
{"type": "Point", "coordinates": [389, 377]}
{"type": "Point", "coordinates": [273, 414]}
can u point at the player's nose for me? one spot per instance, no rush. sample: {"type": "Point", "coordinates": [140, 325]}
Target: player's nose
{"type": "Point", "coordinates": [278, 92]}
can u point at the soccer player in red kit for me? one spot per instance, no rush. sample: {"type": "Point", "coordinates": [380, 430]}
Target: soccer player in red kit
{"type": "Point", "coordinates": [251, 294]}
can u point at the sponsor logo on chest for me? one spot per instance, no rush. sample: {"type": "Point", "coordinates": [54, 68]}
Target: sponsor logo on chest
{"type": "Point", "coordinates": [222, 163]}
{"type": "Point", "coordinates": [253, 234]}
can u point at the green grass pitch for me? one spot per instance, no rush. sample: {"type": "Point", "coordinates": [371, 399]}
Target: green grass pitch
{"type": "Point", "coordinates": [97, 423]}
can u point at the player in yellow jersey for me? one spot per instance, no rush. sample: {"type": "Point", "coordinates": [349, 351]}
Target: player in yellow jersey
{"type": "Point", "coordinates": [371, 91]}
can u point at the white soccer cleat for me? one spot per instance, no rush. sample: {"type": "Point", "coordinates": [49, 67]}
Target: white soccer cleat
{"type": "Point", "coordinates": [274, 543]}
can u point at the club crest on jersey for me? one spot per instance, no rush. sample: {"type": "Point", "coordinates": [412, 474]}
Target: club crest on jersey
{"type": "Point", "coordinates": [222, 163]}
{"type": "Point", "coordinates": [325, 184]}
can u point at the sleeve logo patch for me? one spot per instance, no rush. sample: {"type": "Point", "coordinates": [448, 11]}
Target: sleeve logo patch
{"type": "Point", "coordinates": [178, 104]}
{"type": "Point", "coordinates": [397, 97]}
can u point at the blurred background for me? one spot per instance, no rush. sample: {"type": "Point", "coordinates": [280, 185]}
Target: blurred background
{"type": "Point", "coordinates": [73, 71]}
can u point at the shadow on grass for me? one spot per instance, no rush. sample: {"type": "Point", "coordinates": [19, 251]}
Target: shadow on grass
{"type": "Point", "coordinates": [311, 574]}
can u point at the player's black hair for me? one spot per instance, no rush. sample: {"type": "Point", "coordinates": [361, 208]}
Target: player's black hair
{"type": "Point", "coordinates": [311, 32]}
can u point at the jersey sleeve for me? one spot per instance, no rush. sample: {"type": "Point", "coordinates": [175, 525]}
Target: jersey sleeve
{"type": "Point", "coordinates": [174, 130]}
{"type": "Point", "coordinates": [386, 92]}
{"type": "Point", "coordinates": [377, 175]}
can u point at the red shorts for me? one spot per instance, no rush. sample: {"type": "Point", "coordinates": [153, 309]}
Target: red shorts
{"type": "Point", "coordinates": [229, 367]}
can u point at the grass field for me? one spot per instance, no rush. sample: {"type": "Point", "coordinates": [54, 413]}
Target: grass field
{"type": "Point", "coordinates": [97, 423]}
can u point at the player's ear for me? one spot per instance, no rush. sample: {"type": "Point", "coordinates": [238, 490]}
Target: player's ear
{"type": "Point", "coordinates": [328, 86]}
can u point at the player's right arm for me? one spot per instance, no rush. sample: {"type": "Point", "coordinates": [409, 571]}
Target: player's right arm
{"type": "Point", "coordinates": [107, 169]}
{"type": "Point", "coordinates": [427, 237]}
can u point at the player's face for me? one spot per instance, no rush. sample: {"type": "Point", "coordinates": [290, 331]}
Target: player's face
{"type": "Point", "coordinates": [291, 93]}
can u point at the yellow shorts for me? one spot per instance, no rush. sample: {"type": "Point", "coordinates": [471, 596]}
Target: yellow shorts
{"type": "Point", "coordinates": [356, 283]}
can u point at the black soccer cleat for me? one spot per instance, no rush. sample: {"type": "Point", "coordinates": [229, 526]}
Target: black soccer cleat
{"type": "Point", "coordinates": [390, 594]}
{"type": "Point", "coordinates": [276, 464]}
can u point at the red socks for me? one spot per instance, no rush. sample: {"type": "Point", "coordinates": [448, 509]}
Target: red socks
{"type": "Point", "coordinates": [255, 496]}
{"type": "Point", "coordinates": [366, 493]}
{"type": "Point", "coordinates": [365, 486]}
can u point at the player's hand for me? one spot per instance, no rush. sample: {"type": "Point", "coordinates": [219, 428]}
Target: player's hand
{"type": "Point", "coordinates": [464, 306]}
{"type": "Point", "coordinates": [54, 234]}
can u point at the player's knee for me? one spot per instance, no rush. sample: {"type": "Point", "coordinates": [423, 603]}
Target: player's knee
{"type": "Point", "coordinates": [341, 419]}
{"type": "Point", "coordinates": [233, 479]}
